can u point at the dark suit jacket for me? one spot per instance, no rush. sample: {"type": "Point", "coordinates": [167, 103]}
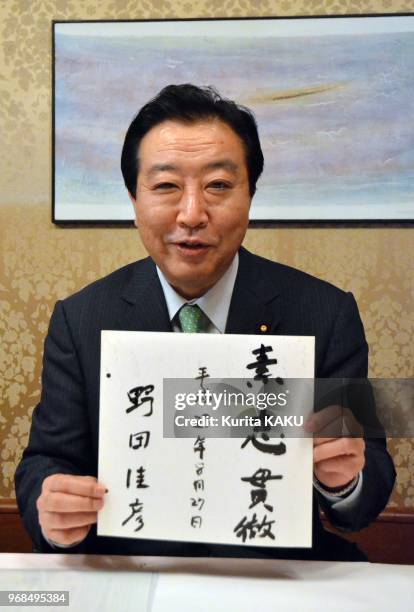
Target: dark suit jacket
{"type": "Point", "coordinates": [64, 433]}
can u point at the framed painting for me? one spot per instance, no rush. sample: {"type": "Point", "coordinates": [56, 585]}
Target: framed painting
{"type": "Point", "coordinates": [332, 96]}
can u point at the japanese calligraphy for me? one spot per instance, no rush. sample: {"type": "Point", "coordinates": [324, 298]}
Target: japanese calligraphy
{"type": "Point", "coordinates": [261, 363]}
{"type": "Point", "coordinates": [199, 446]}
{"type": "Point", "coordinates": [141, 396]}
{"type": "Point", "coordinates": [139, 439]}
{"type": "Point", "coordinates": [202, 375]}
{"type": "Point", "coordinates": [136, 508]}
{"type": "Point", "coordinates": [259, 480]}
{"type": "Point", "coordinates": [139, 478]}
{"type": "Point", "coordinates": [250, 528]}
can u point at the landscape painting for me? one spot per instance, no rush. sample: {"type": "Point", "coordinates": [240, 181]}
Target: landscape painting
{"type": "Point", "coordinates": [333, 98]}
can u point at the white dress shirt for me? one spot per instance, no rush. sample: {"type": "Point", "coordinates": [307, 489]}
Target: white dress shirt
{"type": "Point", "coordinates": [215, 304]}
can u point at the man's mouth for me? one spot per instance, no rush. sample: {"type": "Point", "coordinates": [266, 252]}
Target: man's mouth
{"type": "Point", "coordinates": [192, 247]}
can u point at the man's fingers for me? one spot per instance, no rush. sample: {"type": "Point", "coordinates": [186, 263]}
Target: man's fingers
{"type": "Point", "coordinates": [68, 536]}
{"type": "Point", "coordinates": [52, 501]}
{"type": "Point", "coordinates": [68, 506]}
{"type": "Point", "coordinates": [323, 418]}
{"type": "Point", "coordinates": [318, 441]}
{"type": "Point", "coordinates": [352, 425]}
{"type": "Point", "coordinates": [334, 421]}
{"type": "Point", "coordinates": [85, 486]}
{"type": "Point", "coordinates": [338, 447]}
{"type": "Point", "coordinates": [346, 465]}
{"type": "Point", "coordinates": [57, 520]}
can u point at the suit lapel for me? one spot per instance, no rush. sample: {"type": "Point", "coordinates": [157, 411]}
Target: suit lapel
{"type": "Point", "coordinates": [143, 302]}
{"type": "Point", "coordinates": [254, 306]}
{"type": "Point", "coordinates": [255, 303]}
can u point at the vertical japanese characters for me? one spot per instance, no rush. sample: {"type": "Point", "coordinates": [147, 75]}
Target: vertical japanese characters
{"type": "Point", "coordinates": [141, 399]}
{"type": "Point", "coordinates": [260, 525]}
{"type": "Point", "coordinates": [198, 500]}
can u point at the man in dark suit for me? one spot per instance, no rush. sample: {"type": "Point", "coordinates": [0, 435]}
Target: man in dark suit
{"type": "Point", "coordinates": [190, 163]}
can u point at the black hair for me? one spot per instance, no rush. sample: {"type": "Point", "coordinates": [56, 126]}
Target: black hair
{"type": "Point", "coordinates": [189, 104]}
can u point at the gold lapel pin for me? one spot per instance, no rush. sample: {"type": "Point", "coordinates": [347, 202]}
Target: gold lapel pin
{"type": "Point", "coordinates": [263, 328]}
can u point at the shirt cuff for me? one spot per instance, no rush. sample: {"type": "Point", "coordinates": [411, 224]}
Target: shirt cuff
{"type": "Point", "coordinates": [347, 502]}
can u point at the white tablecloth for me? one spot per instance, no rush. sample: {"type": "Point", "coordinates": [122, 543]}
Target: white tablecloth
{"type": "Point", "coordinates": [162, 584]}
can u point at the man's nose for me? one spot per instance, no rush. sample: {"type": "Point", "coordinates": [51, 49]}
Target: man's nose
{"type": "Point", "coordinates": [193, 208]}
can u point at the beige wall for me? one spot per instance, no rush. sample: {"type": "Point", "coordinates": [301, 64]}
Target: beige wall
{"type": "Point", "coordinates": [40, 263]}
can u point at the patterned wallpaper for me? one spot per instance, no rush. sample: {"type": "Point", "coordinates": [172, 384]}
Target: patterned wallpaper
{"type": "Point", "coordinates": [41, 263]}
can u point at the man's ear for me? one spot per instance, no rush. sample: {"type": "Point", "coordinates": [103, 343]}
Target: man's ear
{"type": "Point", "coordinates": [134, 204]}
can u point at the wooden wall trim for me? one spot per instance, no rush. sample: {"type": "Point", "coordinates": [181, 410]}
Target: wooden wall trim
{"type": "Point", "coordinates": [397, 515]}
{"type": "Point", "coordinates": [13, 535]}
{"type": "Point", "coordinates": [8, 506]}
{"type": "Point", "coordinates": [388, 539]}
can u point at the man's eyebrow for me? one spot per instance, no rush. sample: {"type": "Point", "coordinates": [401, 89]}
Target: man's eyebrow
{"type": "Point", "coordinates": [225, 164]}
{"type": "Point", "coordinates": [155, 168]}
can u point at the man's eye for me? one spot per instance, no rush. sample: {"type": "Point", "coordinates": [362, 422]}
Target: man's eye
{"type": "Point", "coordinates": [218, 185]}
{"type": "Point", "coordinates": [164, 186]}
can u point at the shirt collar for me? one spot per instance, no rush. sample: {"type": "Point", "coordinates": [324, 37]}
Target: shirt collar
{"type": "Point", "coordinates": [215, 303]}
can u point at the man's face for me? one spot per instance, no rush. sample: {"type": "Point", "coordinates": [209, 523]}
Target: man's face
{"type": "Point", "coordinates": [192, 201]}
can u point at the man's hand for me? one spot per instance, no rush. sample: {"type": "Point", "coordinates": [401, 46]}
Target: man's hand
{"type": "Point", "coordinates": [336, 459]}
{"type": "Point", "coordinates": [68, 506]}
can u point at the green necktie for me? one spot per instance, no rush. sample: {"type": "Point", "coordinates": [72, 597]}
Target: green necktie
{"type": "Point", "coordinates": [191, 318]}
